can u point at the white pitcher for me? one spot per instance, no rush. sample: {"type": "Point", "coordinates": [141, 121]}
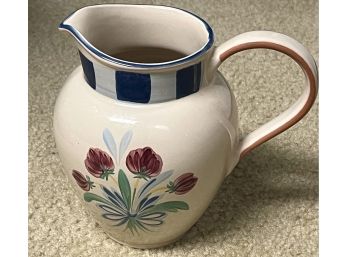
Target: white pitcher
{"type": "Point", "coordinates": [146, 145]}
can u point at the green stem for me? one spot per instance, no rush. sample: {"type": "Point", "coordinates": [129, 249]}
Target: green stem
{"type": "Point", "coordinates": [106, 174]}
{"type": "Point", "coordinates": [142, 175]}
{"type": "Point", "coordinates": [134, 191]}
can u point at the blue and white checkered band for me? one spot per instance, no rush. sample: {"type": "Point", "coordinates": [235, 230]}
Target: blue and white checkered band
{"type": "Point", "coordinates": [142, 88]}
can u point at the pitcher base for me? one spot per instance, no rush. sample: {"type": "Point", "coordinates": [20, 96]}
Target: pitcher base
{"type": "Point", "coordinates": [144, 246]}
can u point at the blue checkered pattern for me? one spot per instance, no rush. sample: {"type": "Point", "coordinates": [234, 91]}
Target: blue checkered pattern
{"type": "Point", "coordinates": [139, 87]}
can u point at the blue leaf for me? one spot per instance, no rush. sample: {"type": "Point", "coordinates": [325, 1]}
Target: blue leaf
{"type": "Point", "coordinates": [151, 223]}
{"type": "Point", "coordinates": [110, 143]}
{"type": "Point", "coordinates": [146, 208]}
{"type": "Point", "coordinates": [152, 219]}
{"type": "Point", "coordinates": [141, 203]}
{"type": "Point", "coordinates": [146, 202]}
{"type": "Point", "coordinates": [154, 215]}
{"type": "Point", "coordinates": [112, 211]}
{"type": "Point", "coordinates": [143, 191]}
{"type": "Point", "coordinates": [124, 220]}
{"type": "Point", "coordinates": [115, 198]}
{"type": "Point", "coordinates": [152, 200]}
{"type": "Point", "coordinates": [146, 186]}
{"type": "Point", "coordinates": [125, 143]}
{"type": "Point", "coordinates": [113, 217]}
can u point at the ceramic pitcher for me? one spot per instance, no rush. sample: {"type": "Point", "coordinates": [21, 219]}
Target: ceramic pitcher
{"type": "Point", "coordinates": [146, 145]}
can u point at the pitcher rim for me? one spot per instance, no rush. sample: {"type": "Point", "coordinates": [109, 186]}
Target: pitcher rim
{"type": "Point", "coordinates": [187, 59]}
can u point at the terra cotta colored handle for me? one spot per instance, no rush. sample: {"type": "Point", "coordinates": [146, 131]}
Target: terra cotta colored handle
{"type": "Point", "coordinates": [290, 47]}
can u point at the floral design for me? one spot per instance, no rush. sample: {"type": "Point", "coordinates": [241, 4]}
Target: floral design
{"type": "Point", "coordinates": [182, 184]}
{"type": "Point", "coordinates": [144, 162]}
{"type": "Point", "coordinates": [84, 182]}
{"type": "Point", "coordinates": [99, 163]}
{"type": "Point", "coordinates": [139, 207]}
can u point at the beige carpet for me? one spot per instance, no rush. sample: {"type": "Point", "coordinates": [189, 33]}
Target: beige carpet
{"type": "Point", "coordinates": [267, 207]}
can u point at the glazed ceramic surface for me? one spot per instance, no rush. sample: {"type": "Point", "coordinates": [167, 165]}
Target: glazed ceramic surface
{"type": "Point", "coordinates": [147, 145]}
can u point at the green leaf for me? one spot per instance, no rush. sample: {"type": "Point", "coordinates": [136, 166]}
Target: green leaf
{"type": "Point", "coordinates": [124, 188]}
{"type": "Point", "coordinates": [89, 197]}
{"type": "Point", "coordinates": [172, 206]}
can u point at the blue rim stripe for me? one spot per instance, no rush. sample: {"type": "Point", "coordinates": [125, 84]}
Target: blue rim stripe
{"type": "Point", "coordinates": [133, 87]}
{"type": "Point", "coordinates": [88, 70]}
{"type": "Point", "coordinates": [185, 81]}
{"type": "Point", "coordinates": [197, 76]}
{"type": "Point", "coordinates": [106, 57]}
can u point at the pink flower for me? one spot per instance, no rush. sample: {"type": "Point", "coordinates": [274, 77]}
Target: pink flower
{"type": "Point", "coordinates": [99, 163]}
{"type": "Point", "coordinates": [144, 163]}
{"type": "Point", "coordinates": [182, 184]}
{"type": "Point", "coordinates": [84, 182]}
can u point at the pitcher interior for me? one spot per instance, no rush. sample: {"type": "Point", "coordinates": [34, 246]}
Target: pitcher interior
{"type": "Point", "coordinates": [120, 28]}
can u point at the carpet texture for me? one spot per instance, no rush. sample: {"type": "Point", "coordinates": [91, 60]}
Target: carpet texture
{"type": "Point", "coordinates": [268, 206]}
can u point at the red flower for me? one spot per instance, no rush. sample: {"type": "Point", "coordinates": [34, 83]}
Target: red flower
{"type": "Point", "coordinates": [99, 163]}
{"type": "Point", "coordinates": [144, 162]}
{"type": "Point", "coordinates": [182, 184]}
{"type": "Point", "coordinates": [84, 182]}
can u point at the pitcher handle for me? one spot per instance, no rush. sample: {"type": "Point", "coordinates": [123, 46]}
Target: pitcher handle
{"type": "Point", "coordinates": [290, 47]}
